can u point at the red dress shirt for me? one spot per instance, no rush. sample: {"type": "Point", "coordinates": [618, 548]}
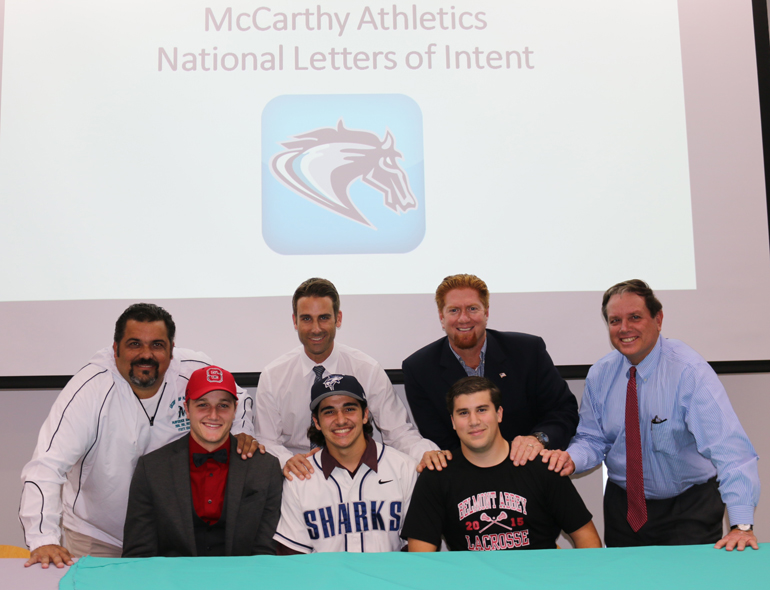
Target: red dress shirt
{"type": "Point", "coordinates": [208, 483]}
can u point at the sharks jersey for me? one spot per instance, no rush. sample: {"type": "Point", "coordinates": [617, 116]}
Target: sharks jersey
{"type": "Point", "coordinates": [362, 513]}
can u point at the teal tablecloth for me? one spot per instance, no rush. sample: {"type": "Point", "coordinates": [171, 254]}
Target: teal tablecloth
{"type": "Point", "coordinates": [658, 568]}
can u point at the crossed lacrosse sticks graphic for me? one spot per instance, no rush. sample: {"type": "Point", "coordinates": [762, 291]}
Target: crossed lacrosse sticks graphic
{"type": "Point", "coordinates": [500, 517]}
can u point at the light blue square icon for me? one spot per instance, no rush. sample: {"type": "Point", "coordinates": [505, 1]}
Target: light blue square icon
{"type": "Point", "coordinates": [342, 174]}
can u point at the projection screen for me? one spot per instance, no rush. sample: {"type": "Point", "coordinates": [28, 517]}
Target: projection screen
{"type": "Point", "coordinates": [209, 156]}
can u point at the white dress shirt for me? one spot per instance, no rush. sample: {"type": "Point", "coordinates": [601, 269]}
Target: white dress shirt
{"type": "Point", "coordinates": [282, 414]}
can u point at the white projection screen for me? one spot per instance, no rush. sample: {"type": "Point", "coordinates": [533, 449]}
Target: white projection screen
{"type": "Point", "coordinates": [209, 156]}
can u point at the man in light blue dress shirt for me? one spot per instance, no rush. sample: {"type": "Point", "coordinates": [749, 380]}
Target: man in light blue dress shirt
{"type": "Point", "coordinates": [695, 455]}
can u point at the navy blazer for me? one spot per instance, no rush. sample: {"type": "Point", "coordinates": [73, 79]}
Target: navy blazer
{"type": "Point", "coordinates": [159, 520]}
{"type": "Point", "coordinates": [535, 397]}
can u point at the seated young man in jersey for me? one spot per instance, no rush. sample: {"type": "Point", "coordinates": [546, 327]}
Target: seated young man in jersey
{"type": "Point", "coordinates": [190, 498]}
{"type": "Point", "coordinates": [482, 501]}
{"type": "Point", "coordinates": [359, 498]}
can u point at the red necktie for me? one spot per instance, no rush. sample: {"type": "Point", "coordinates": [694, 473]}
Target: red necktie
{"type": "Point", "coordinates": [637, 507]}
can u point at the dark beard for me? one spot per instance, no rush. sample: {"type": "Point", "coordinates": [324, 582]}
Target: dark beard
{"type": "Point", "coordinates": [143, 381]}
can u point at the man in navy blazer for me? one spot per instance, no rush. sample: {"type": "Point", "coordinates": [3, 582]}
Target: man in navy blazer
{"type": "Point", "coordinates": [189, 499]}
{"type": "Point", "coordinates": [541, 411]}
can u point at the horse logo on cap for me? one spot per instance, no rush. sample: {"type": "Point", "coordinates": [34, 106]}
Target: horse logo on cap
{"type": "Point", "coordinates": [331, 381]}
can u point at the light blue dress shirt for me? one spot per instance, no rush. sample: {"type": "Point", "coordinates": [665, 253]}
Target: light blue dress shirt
{"type": "Point", "coordinates": [690, 432]}
{"type": "Point", "coordinates": [478, 371]}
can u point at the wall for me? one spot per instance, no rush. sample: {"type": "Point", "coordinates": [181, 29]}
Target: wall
{"type": "Point", "coordinates": [26, 410]}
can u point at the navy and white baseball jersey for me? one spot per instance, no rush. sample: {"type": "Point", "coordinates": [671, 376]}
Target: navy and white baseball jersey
{"type": "Point", "coordinates": [362, 513]}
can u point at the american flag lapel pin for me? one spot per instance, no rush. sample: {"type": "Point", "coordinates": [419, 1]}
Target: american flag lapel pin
{"type": "Point", "coordinates": [502, 375]}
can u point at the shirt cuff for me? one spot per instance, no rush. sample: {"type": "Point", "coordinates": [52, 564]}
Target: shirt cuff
{"type": "Point", "coordinates": [46, 540]}
{"type": "Point", "coordinates": [578, 457]}
{"type": "Point", "coordinates": [237, 428]}
{"type": "Point", "coordinates": [740, 514]}
{"type": "Point", "coordinates": [280, 452]}
{"type": "Point", "coordinates": [418, 450]}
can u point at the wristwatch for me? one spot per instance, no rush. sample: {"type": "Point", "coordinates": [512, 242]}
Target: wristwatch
{"type": "Point", "coordinates": [743, 527]}
{"type": "Point", "coordinates": [542, 438]}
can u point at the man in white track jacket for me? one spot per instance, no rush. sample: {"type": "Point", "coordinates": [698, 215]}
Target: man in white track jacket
{"type": "Point", "coordinates": [126, 402]}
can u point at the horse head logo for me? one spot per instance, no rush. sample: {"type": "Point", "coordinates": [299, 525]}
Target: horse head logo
{"type": "Point", "coordinates": [331, 381]}
{"type": "Point", "coordinates": [320, 166]}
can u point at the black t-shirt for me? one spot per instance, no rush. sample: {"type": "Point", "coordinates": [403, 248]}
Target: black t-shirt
{"type": "Point", "coordinates": [493, 508]}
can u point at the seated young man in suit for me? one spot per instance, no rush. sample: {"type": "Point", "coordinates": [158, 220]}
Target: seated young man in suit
{"type": "Point", "coordinates": [483, 502]}
{"type": "Point", "coordinates": [189, 499]}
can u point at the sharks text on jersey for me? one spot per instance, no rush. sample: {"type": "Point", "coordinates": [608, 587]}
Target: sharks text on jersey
{"type": "Point", "coordinates": [353, 517]}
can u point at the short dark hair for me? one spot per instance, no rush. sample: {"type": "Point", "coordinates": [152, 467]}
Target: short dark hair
{"type": "Point", "coordinates": [144, 312]}
{"type": "Point", "coordinates": [316, 287]}
{"type": "Point", "coordinates": [468, 385]}
{"type": "Point", "coordinates": [637, 287]}
{"type": "Point", "coordinates": [317, 437]}
{"type": "Point", "coordinates": [462, 281]}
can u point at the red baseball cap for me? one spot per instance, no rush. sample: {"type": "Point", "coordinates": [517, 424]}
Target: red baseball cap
{"type": "Point", "coordinates": [209, 379]}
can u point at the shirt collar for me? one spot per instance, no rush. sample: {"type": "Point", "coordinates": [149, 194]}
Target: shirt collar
{"type": "Point", "coordinates": [196, 448]}
{"type": "Point", "coordinates": [482, 355]}
{"type": "Point", "coordinates": [307, 364]}
{"type": "Point", "coordinates": [649, 364]}
{"type": "Point", "coordinates": [369, 458]}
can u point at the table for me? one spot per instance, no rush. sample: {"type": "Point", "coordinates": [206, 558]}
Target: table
{"type": "Point", "coordinates": [660, 568]}
{"type": "Point", "coordinates": [14, 576]}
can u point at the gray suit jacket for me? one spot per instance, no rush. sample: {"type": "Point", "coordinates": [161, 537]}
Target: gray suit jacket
{"type": "Point", "coordinates": [159, 519]}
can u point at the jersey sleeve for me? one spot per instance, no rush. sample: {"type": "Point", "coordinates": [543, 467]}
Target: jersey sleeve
{"type": "Point", "coordinates": [292, 531]}
{"type": "Point", "coordinates": [408, 481]}
{"type": "Point", "coordinates": [427, 512]}
{"type": "Point", "coordinates": [65, 438]}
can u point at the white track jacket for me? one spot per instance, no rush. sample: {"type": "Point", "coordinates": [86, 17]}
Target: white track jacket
{"type": "Point", "coordinates": [88, 447]}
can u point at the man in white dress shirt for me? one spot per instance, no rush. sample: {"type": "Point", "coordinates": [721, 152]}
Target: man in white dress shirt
{"type": "Point", "coordinates": [283, 394]}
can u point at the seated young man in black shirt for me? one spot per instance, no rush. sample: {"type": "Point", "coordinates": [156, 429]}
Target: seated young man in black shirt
{"type": "Point", "coordinates": [482, 501]}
